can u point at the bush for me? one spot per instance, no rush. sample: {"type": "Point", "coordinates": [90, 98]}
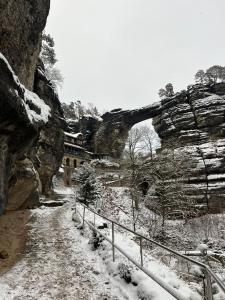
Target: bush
{"type": "Point", "coordinates": [90, 189]}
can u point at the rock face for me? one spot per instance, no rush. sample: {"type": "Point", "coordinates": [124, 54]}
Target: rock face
{"type": "Point", "coordinates": [192, 116]}
{"type": "Point", "coordinates": [193, 122]}
{"type": "Point", "coordinates": [22, 114]}
{"type": "Point", "coordinates": [51, 141]}
{"type": "Point", "coordinates": [88, 126]}
{"type": "Point", "coordinates": [22, 23]}
{"type": "Point", "coordinates": [31, 124]}
{"type": "Point", "coordinates": [108, 134]}
{"type": "Point", "coordinates": [23, 185]}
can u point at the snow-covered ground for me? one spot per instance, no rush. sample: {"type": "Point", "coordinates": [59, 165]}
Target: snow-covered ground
{"type": "Point", "coordinates": [61, 263]}
{"type": "Point", "coordinates": [144, 287]}
{"type": "Point", "coordinates": [181, 236]}
{"type": "Point", "coordinates": [58, 263]}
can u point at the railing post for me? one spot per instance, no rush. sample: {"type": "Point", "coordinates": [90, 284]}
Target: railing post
{"type": "Point", "coordinates": [113, 240]}
{"type": "Point", "coordinates": [83, 216]}
{"type": "Point", "coordinates": [141, 252]}
{"type": "Point", "coordinates": [209, 294]}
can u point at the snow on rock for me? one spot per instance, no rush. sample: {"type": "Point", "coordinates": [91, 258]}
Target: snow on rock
{"type": "Point", "coordinates": [35, 108]}
{"type": "Point", "coordinates": [98, 118]}
{"type": "Point", "coordinates": [73, 135]}
{"type": "Point", "coordinates": [104, 163]}
{"type": "Point", "coordinates": [202, 248]}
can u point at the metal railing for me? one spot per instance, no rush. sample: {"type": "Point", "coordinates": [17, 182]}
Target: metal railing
{"type": "Point", "coordinates": [209, 275]}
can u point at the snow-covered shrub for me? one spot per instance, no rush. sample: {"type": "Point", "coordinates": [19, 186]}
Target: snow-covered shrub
{"type": "Point", "coordinates": [76, 218]}
{"type": "Point", "coordinates": [124, 272]}
{"type": "Point", "coordinates": [95, 240]}
{"type": "Point", "coordinates": [203, 248]}
{"type": "Point", "coordinates": [144, 292]}
{"type": "Point", "coordinates": [90, 189]}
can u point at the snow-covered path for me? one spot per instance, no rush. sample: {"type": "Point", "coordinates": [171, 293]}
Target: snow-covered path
{"type": "Point", "coordinates": [59, 264]}
{"type": "Point", "coordinates": [55, 265]}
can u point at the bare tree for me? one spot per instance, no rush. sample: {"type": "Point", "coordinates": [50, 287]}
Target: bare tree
{"type": "Point", "coordinates": [214, 73]}
{"type": "Point", "coordinates": [141, 143]}
{"type": "Point", "coordinates": [133, 149]}
{"type": "Point", "coordinates": [91, 110]}
{"type": "Point", "coordinates": [150, 140]}
{"type": "Point", "coordinates": [166, 196]}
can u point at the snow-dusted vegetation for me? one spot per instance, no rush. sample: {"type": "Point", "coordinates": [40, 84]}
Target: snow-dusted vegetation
{"type": "Point", "coordinates": [187, 238]}
{"type": "Point", "coordinates": [113, 186]}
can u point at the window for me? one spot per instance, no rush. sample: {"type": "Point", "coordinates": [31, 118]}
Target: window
{"type": "Point", "coordinates": [67, 161]}
{"type": "Point", "coordinates": [75, 163]}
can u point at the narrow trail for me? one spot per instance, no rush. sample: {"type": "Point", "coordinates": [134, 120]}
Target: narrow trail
{"type": "Point", "coordinates": [54, 265]}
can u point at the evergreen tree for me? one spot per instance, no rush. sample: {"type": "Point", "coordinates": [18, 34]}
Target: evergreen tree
{"type": "Point", "coordinates": [167, 92]}
{"type": "Point", "coordinates": [48, 52]}
{"type": "Point", "coordinates": [90, 189]}
{"type": "Point", "coordinates": [162, 93]}
{"type": "Point", "coordinates": [48, 57]}
{"type": "Point", "coordinates": [201, 77]}
{"type": "Point", "coordinates": [76, 110]}
{"type": "Point", "coordinates": [169, 89]}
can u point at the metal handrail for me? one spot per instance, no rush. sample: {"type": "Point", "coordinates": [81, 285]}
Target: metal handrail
{"type": "Point", "coordinates": [208, 272]}
{"type": "Point", "coordinates": [164, 285]}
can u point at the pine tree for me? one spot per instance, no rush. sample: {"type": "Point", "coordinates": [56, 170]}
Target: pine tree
{"type": "Point", "coordinates": [201, 77]}
{"type": "Point", "coordinates": [169, 89]}
{"type": "Point", "coordinates": [90, 189]}
{"type": "Point", "coordinates": [167, 92]}
{"type": "Point", "coordinates": [162, 93]}
{"type": "Point", "coordinates": [48, 57]}
{"type": "Point", "coordinates": [48, 52]}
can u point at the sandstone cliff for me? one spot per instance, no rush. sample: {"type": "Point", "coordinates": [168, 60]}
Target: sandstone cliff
{"type": "Point", "coordinates": [192, 122]}
{"type": "Point", "coordinates": [50, 145]}
{"type": "Point", "coordinates": [22, 114]}
{"type": "Point", "coordinates": [31, 118]}
{"type": "Point", "coordinates": [22, 23]}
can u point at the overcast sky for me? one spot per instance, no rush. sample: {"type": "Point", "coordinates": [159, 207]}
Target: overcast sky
{"type": "Point", "coordinates": [119, 53]}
